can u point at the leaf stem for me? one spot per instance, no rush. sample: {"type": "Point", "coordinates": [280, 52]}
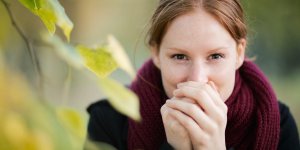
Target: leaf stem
{"type": "Point", "coordinates": [32, 53]}
{"type": "Point", "coordinates": [67, 85]}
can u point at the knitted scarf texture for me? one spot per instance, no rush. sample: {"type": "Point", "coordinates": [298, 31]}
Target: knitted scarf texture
{"type": "Point", "coordinates": [253, 113]}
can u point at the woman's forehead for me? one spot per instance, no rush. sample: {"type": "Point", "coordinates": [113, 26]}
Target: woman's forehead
{"type": "Point", "coordinates": [198, 29]}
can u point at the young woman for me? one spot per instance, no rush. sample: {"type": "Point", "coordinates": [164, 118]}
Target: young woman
{"type": "Point", "coordinates": [198, 91]}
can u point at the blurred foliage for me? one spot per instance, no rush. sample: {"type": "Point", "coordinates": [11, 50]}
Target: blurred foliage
{"type": "Point", "coordinates": [98, 60]}
{"type": "Point", "coordinates": [66, 51]}
{"type": "Point", "coordinates": [275, 34]}
{"type": "Point", "coordinates": [102, 61]}
{"type": "Point", "coordinates": [118, 98]}
{"type": "Point", "coordinates": [274, 28]}
{"type": "Point", "coordinates": [273, 39]}
{"type": "Point", "coordinates": [51, 13]}
{"type": "Point", "coordinates": [31, 123]}
{"type": "Point", "coordinates": [119, 55]}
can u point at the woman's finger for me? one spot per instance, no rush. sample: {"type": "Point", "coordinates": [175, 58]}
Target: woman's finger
{"type": "Point", "coordinates": [196, 134]}
{"type": "Point", "coordinates": [194, 112]}
{"type": "Point", "coordinates": [210, 88]}
{"type": "Point", "coordinates": [205, 101]}
{"type": "Point", "coordinates": [176, 134]}
{"type": "Point", "coordinates": [200, 96]}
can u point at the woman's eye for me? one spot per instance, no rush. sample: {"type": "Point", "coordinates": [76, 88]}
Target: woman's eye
{"type": "Point", "coordinates": [179, 57]}
{"type": "Point", "coordinates": [216, 56]}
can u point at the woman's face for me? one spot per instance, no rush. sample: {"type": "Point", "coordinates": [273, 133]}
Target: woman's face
{"type": "Point", "coordinates": [196, 47]}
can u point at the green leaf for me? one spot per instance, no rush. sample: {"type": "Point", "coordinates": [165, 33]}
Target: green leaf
{"type": "Point", "coordinates": [120, 56]}
{"type": "Point", "coordinates": [98, 60]}
{"type": "Point", "coordinates": [66, 51]}
{"type": "Point", "coordinates": [121, 98]}
{"type": "Point", "coordinates": [50, 12]}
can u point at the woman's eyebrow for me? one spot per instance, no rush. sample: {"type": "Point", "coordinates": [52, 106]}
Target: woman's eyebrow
{"type": "Point", "coordinates": [178, 49]}
{"type": "Point", "coordinates": [205, 51]}
{"type": "Point", "coordinates": [218, 49]}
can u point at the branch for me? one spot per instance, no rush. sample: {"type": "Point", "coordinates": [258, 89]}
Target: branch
{"type": "Point", "coordinates": [29, 47]}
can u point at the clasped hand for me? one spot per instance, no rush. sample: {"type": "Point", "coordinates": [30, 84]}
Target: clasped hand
{"type": "Point", "coordinates": [195, 118]}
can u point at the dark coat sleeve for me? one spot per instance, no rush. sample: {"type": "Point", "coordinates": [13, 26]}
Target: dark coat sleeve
{"type": "Point", "coordinates": [107, 125]}
{"type": "Point", "coordinates": [289, 137]}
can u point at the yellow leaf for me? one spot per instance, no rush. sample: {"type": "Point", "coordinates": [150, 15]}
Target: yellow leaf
{"type": "Point", "coordinates": [13, 89]}
{"type": "Point", "coordinates": [41, 140]}
{"type": "Point", "coordinates": [51, 12]}
{"type": "Point", "coordinates": [72, 120]}
{"type": "Point", "coordinates": [66, 51]}
{"type": "Point", "coordinates": [15, 129]}
{"type": "Point", "coordinates": [121, 98]}
{"type": "Point", "coordinates": [120, 56]}
{"type": "Point", "coordinates": [98, 60]}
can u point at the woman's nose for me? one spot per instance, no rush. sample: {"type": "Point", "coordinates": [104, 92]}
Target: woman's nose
{"type": "Point", "coordinates": [198, 72]}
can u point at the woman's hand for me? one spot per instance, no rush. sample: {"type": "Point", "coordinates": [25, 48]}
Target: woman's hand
{"type": "Point", "coordinates": [177, 135]}
{"type": "Point", "coordinates": [205, 121]}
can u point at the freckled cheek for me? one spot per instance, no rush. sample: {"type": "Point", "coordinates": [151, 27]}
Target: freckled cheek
{"type": "Point", "coordinates": [224, 80]}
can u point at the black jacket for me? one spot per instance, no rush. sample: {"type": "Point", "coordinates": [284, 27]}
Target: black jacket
{"type": "Point", "coordinates": [109, 126]}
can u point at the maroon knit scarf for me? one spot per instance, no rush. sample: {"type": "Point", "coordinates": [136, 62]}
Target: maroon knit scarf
{"type": "Point", "coordinates": [253, 113]}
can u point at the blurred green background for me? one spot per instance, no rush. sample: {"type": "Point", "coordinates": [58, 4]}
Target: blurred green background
{"type": "Point", "coordinates": [274, 40]}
